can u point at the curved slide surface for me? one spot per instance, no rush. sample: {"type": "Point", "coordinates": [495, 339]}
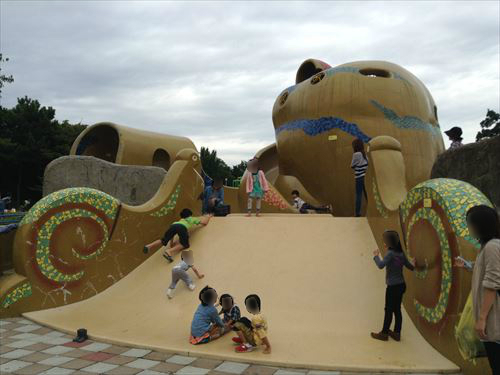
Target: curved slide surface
{"type": "Point", "coordinates": [321, 293]}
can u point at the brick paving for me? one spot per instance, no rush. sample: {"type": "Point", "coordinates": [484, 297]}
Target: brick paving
{"type": "Point", "coordinates": [27, 348]}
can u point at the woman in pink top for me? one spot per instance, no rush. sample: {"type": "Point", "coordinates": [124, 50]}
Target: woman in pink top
{"type": "Point", "coordinates": [256, 185]}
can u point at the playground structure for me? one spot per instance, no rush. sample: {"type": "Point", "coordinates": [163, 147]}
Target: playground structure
{"type": "Point", "coordinates": [81, 248]}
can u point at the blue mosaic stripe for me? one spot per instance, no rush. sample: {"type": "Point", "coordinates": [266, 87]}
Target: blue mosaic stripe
{"type": "Point", "coordinates": [322, 125]}
{"type": "Point", "coordinates": [406, 122]}
{"type": "Point", "coordinates": [341, 69]}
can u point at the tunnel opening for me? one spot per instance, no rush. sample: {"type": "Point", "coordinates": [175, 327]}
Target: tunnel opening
{"type": "Point", "coordinates": [373, 72]}
{"type": "Point", "coordinates": [306, 71]}
{"type": "Point", "coordinates": [161, 159]}
{"type": "Point", "coordinates": [101, 142]}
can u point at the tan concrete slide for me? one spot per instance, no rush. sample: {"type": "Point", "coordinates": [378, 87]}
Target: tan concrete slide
{"type": "Point", "coordinates": [320, 289]}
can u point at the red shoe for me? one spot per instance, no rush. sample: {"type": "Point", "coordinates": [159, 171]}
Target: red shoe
{"type": "Point", "coordinates": [243, 349]}
{"type": "Point", "coordinates": [237, 340]}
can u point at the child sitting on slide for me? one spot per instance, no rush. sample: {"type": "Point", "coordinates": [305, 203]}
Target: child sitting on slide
{"type": "Point", "coordinates": [230, 310]}
{"type": "Point", "coordinates": [180, 228]}
{"type": "Point", "coordinates": [302, 206]}
{"type": "Point", "coordinates": [254, 332]}
{"type": "Point", "coordinates": [206, 325]}
{"type": "Point", "coordinates": [179, 272]}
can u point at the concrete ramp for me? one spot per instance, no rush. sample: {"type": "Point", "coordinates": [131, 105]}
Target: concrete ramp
{"type": "Point", "coordinates": [320, 291]}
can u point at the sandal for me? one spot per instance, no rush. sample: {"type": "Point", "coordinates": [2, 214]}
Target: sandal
{"type": "Point", "coordinates": [237, 340]}
{"type": "Point", "coordinates": [244, 348]}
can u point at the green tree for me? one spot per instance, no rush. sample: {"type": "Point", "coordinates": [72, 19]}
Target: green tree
{"type": "Point", "coordinates": [30, 138]}
{"type": "Point", "coordinates": [492, 121]}
{"type": "Point", "coordinates": [239, 169]}
{"type": "Point", "coordinates": [4, 78]}
{"type": "Point", "coordinates": [213, 165]}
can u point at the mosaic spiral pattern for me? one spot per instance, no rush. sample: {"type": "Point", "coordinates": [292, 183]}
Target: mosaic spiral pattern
{"type": "Point", "coordinates": [170, 205]}
{"type": "Point", "coordinates": [67, 205]}
{"type": "Point", "coordinates": [22, 291]}
{"type": "Point", "coordinates": [46, 230]}
{"type": "Point", "coordinates": [436, 313]}
{"type": "Point", "coordinates": [454, 196]}
{"type": "Point", "coordinates": [101, 201]}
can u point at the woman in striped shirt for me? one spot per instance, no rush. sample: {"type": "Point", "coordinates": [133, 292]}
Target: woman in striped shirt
{"type": "Point", "coordinates": [360, 165]}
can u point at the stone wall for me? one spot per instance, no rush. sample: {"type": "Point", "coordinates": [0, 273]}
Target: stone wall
{"type": "Point", "coordinates": [476, 163]}
{"type": "Point", "coordinates": [132, 185]}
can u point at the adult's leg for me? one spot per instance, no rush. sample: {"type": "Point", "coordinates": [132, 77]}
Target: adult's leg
{"type": "Point", "coordinates": [493, 353]}
{"type": "Point", "coordinates": [389, 297]}
{"type": "Point", "coordinates": [398, 299]}
{"type": "Point", "coordinates": [359, 192]}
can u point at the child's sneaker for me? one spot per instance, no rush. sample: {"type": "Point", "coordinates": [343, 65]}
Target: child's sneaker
{"type": "Point", "coordinates": [237, 340]}
{"type": "Point", "coordinates": [168, 257]}
{"type": "Point", "coordinates": [191, 286]}
{"type": "Point", "coordinates": [244, 348]}
{"type": "Point", "coordinates": [145, 249]}
{"type": "Point", "coordinates": [170, 293]}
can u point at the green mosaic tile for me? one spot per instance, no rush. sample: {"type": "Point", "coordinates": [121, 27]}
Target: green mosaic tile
{"type": "Point", "coordinates": [436, 313]}
{"type": "Point", "coordinates": [22, 291]}
{"type": "Point", "coordinates": [406, 122]}
{"type": "Point", "coordinates": [170, 205]}
{"type": "Point", "coordinates": [101, 201]}
{"type": "Point", "coordinates": [378, 201]}
{"type": "Point", "coordinates": [455, 198]}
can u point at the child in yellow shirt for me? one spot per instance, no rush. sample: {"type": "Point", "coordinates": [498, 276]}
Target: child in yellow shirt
{"type": "Point", "coordinates": [252, 333]}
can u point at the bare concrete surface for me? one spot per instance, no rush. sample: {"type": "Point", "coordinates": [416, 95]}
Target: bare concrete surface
{"type": "Point", "coordinates": [130, 184]}
{"type": "Point", "coordinates": [320, 291]}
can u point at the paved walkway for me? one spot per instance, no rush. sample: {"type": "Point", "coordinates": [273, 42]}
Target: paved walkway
{"type": "Point", "coordinates": [28, 348]}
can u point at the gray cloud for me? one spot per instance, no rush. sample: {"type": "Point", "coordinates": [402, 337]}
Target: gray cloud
{"type": "Point", "coordinates": [211, 71]}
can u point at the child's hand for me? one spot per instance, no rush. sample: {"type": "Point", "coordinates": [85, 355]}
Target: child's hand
{"type": "Point", "coordinates": [376, 252]}
{"type": "Point", "coordinates": [201, 276]}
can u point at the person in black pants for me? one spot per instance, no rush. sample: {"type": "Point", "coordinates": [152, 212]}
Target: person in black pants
{"type": "Point", "coordinates": [394, 261]}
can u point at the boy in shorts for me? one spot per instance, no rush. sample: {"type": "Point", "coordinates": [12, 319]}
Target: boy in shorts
{"type": "Point", "coordinates": [181, 229]}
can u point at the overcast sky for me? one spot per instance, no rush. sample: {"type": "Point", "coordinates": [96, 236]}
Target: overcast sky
{"type": "Point", "coordinates": [211, 71]}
